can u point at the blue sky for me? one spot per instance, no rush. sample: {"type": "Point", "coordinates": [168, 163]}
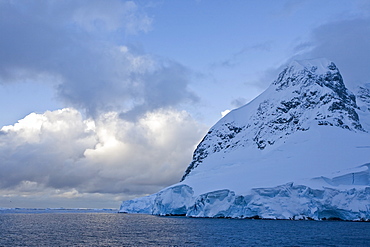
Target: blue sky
{"type": "Point", "coordinates": [93, 93]}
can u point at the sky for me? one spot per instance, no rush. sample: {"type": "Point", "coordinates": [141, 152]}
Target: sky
{"type": "Point", "coordinates": [104, 101]}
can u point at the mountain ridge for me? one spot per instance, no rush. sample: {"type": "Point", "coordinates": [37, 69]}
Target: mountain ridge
{"type": "Point", "coordinates": [307, 91]}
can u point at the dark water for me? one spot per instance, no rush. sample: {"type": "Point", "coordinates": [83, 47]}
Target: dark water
{"type": "Point", "coordinates": [113, 229]}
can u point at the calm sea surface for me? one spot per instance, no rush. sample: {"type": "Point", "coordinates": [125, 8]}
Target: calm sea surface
{"type": "Point", "coordinates": [113, 229]}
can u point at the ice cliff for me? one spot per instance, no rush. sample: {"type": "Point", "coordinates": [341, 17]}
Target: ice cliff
{"type": "Point", "coordinates": [300, 150]}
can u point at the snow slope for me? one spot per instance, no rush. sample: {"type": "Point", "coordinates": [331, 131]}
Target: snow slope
{"type": "Point", "coordinates": [299, 150]}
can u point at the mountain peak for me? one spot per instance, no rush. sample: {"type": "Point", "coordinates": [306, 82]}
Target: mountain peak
{"type": "Point", "coordinates": [306, 94]}
{"type": "Point", "coordinates": [305, 71]}
{"type": "Point", "coordinates": [317, 65]}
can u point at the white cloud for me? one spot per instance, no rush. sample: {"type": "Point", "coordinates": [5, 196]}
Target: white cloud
{"type": "Point", "coordinates": [60, 154]}
{"type": "Point", "coordinates": [129, 140]}
{"type": "Point", "coordinates": [77, 47]}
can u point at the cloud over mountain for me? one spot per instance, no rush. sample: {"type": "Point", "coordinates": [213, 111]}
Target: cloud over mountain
{"type": "Point", "coordinates": [345, 42]}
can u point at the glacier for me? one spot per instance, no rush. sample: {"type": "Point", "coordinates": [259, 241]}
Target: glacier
{"type": "Point", "coordinates": [300, 150]}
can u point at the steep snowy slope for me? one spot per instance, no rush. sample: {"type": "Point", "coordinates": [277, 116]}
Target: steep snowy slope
{"type": "Point", "coordinates": [300, 149]}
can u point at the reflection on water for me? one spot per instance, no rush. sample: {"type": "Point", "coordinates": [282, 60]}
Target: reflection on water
{"type": "Point", "coordinates": [113, 229]}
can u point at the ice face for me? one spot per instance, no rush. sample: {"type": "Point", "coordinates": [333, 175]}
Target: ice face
{"type": "Point", "coordinates": [173, 201]}
{"type": "Point", "coordinates": [287, 201]}
{"type": "Point", "coordinates": [142, 205]}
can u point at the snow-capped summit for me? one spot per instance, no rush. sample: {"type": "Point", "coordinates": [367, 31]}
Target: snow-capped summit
{"type": "Point", "coordinates": [306, 93]}
{"type": "Point", "coordinates": [300, 149]}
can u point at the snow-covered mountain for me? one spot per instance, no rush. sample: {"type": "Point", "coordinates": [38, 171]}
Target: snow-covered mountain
{"type": "Point", "coordinates": [299, 150]}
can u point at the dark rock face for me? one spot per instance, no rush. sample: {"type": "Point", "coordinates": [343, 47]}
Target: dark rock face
{"type": "Point", "coordinates": [318, 91]}
{"type": "Point", "coordinates": [363, 95]}
{"type": "Point", "coordinates": [301, 96]}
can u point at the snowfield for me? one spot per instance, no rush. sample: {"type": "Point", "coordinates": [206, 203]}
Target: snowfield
{"type": "Point", "coordinates": [300, 150]}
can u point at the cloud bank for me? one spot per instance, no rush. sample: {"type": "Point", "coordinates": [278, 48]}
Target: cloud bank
{"type": "Point", "coordinates": [70, 156]}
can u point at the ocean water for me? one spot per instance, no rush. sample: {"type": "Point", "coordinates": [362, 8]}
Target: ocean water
{"type": "Point", "coordinates": [74, 228]}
